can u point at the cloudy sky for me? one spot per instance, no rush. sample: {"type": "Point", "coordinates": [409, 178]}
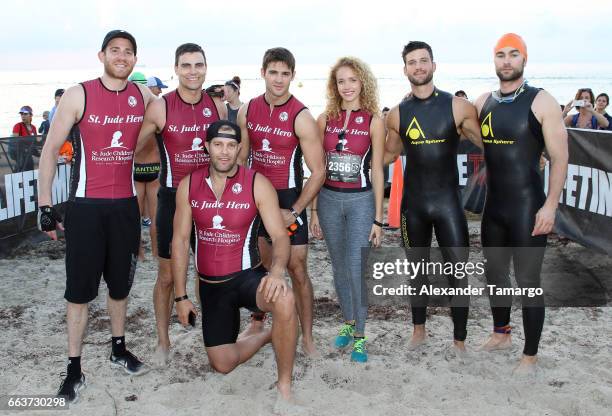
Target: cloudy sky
{"type": "Point", "coordinates": [67, 34]}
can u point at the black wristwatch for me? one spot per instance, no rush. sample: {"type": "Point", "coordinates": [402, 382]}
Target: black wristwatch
{"type": "Point", "coordinates": [180, 298]}
{"type": "Point", "coordinates": [381, 224]}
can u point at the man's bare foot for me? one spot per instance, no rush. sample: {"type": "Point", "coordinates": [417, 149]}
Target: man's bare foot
{"type": "Point", "coordinates": [160, 356]}
{"type": "Point", "coordinates": [284, 391]}
{"type": "Point", "coordinates": [497, 342]}
{"type": "Point", "coordinates": [527, 366]}
{"type": "Point", "coordinates": [419, 336]}
{"type": "Point", "coordinates": [459, 346]}
{"type": "Point", "coordinates": [310, 349]}
{"type": "Point", "coordinates": [255, 327]}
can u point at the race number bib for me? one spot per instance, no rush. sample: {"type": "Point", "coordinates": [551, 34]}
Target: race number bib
{"type": "Point", "coordinates": [343, 167]}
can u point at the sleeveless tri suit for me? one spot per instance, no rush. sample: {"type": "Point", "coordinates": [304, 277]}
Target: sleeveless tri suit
{"type": "Point", "coordinates": [431, 199]}
{"type": "Point", "coordinates": [513, 143]}
{"type": "Point", "coordinates": [226, 254]}
{"type": "Point", "coordinates": [102, 219]}
{"type": "Point", "coordinates": [276, 153]}
{"type": "Point", "coordinates": [181, 150]}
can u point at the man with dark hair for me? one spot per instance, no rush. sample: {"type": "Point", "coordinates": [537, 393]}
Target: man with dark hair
{"type": "Point", "coordinates": [102, 222]}
{"type": "Point", "coordinates": [429, 123]}
{"type": "Point", "coordinates": [461, 94]}
{"type": "Point", "coordinates": [179, 121]}
{"type": "Point", "coordinates": [226, 202]}
{"type": "Point", "coordinates": [279, 55]}
{"type": "Point", "coordinates": [277, 130]}
{"type": "Point", "coordinates": [413, 46]}
{"type": "Point", "coordinates": [517, 122]}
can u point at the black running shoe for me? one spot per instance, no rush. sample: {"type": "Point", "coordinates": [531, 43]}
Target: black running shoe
{"type": "Point", "coordinates": [71, 387]}
{"type": "Point", "coordinates": [128, 361]}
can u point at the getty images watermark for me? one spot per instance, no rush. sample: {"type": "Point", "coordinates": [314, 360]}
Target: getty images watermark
{"type": "Point", "coordinates": [495, 276]}
{"type": "Point", "coordinates": [459, 271]}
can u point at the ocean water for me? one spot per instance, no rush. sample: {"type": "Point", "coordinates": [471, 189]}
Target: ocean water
{"type": "Point", "coordinates": [36, 88]}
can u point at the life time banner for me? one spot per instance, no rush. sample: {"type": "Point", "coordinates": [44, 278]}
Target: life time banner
{"type": "Point", "coordinates": [19, 188]}
{"type": "Point", "coordinates": [585, 205]}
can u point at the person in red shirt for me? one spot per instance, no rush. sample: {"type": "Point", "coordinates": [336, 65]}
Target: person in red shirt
{"type": "Point", "coordinates": [18, 149]}
{"type": "Point", "coordinates": [226, 203]}
{"type": "Point", "coordinates": [278, 132]}
{"type": "Point", "coordinates": [102, 220]}
{"type": "Point", "coordinates": [178, 121]}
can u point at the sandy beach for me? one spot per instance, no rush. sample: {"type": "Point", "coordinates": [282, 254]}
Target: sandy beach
{"type": "Point", "coordinates": [574, 376]}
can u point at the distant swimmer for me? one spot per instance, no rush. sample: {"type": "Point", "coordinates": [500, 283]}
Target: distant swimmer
{"type": "Point", "coordinates": [277, 130]}
{"type": "Point", "coordinates": [102, 222]}
{"type": "Point", "coordinates": [175, 120]}
{"type": "Point", "coordinates": [517, 122]}
{"type": "Point", "coordinates": [429, 123]}
{"type": "Point", "coordinates": [227, 259]}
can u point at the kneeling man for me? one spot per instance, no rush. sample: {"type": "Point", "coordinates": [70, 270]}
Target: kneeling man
{"type": "Point", "coordinates": [226, 203]}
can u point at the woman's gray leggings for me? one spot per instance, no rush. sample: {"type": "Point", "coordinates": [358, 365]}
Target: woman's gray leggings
{"type": "Point", "coordinates": [346, 220]}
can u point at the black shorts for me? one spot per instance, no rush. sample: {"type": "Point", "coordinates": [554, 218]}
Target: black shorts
{"type": "Point", "coordinates": [164, 219]}
{"type": "Point", "coordinates": [146, 172]}
{"type": "Point", "coordinates": [221, 303]}
{"type": "Point", "coordinates": [286, 199]}
{"type": "Point", "coordinates": [102, 239]}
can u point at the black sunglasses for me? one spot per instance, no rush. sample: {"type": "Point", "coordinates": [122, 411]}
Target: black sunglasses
{"type": "Point", "coordinates": [340, 145]}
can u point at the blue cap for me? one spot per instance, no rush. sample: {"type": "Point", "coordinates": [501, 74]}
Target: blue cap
{"type": "Point", "coordinates": [155, 82]}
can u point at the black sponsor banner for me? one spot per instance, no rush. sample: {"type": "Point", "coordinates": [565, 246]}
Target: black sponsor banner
{"type": "Point", "coordinates": [19, 188]}
{"type": "Point", "coordinates": [585, 205]}
{"type": "Point", "coordinates": [472, 176]}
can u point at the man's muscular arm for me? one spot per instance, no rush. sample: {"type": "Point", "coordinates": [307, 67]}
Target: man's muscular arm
{"type": "Point", "coordinates": [312, 147]}
{"type": "Point", "coordinates": [180, 249]}
{"type": "Point", "coordinates": [154, 122]}
{"type": "Point", "coordinates": [68, 113]}
{"type": "Point", "coordinates": [466, 120]}
{"type": "Point", "coordinates": [548, 112]}
{"type": "Point", "coordinates": [267, 204]}
{"type": "Point", "coordinates": [243, 156]}
{"type": "Point", "coordinates": [393, 143]}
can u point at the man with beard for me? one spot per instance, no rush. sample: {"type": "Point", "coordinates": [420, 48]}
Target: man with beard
{"type": "Point", "coordinates": [102, 221]}
{"type": "Point", "coordinates": [226, 203]}
{"type": "Point", "coordinates": [180, 121]}
{"type": "Point", "coordinates": [517, 122]}
{"type": "Point", "coordinates": [429, 123]}
{"type": "Point", "coordinates": [277, 130]}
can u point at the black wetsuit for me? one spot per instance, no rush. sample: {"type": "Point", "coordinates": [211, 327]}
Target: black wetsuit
{"type": "Point", "coordinates": [513, 143]}
{"type": "Point", "coordinates": [431, 197]}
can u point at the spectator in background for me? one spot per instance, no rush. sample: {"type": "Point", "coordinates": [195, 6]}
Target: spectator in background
{"type": "Point", "coordinates": [384, 112]}
{"type": "Point", "coordinates": [155, 85]}
{"type": "Point", "coordinates": [601, 102]}
{"type": "Point", "coordinates": [587, 117]}
{"type": "Point", "coordinates": [138, 77]}
{"type": "Point", "coordinates": [19, 149]}
{"type": "Point", "coordinates": [44, 126]}
{"type": "Point", "coordinates": [231, 91]}
{"type": "Point", "coordinates": [461, 94]}
{"type": "Point", "coordinates": [58, 94]}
